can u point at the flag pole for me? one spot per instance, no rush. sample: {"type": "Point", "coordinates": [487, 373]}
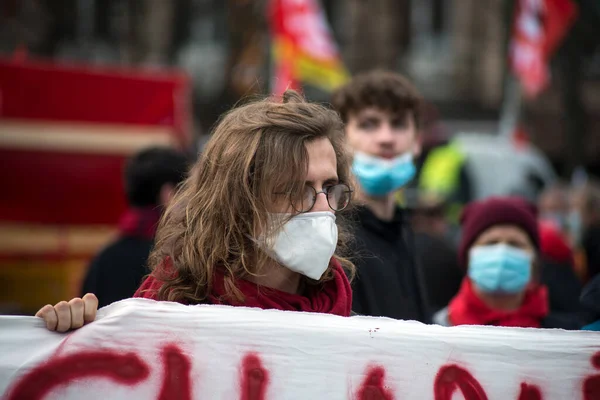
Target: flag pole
{"type": "Point", "coordinates": [511, 107]}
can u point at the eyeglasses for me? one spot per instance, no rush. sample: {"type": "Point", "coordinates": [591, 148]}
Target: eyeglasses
{"type": "Point", "coordinates": [338, 198]}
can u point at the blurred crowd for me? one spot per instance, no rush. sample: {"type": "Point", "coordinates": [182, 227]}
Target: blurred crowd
{"type": "Point", "coordinates": [564, 222]}
{"type": "Point", "coordinates": [415, 253]}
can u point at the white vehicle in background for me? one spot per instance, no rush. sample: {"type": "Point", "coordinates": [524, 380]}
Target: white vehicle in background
{"type": "Point", "coordinates": [498, 166]}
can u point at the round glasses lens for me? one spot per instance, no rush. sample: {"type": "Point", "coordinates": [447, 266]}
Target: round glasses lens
{"type": "Point", "coordinates": [338, 196]}
{"type": "Point", "coordinates": [305, 201]}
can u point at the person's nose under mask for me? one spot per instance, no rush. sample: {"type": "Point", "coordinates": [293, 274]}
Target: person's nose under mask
{"type": "Point", "coordinates": [305, 243]}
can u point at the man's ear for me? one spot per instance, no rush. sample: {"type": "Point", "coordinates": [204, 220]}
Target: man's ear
{"type": "Point", "coordinates": [167, 191]}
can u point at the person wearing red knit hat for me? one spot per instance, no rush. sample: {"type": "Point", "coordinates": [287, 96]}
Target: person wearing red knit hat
{"type": "Point", "coordinates": [499, 248]}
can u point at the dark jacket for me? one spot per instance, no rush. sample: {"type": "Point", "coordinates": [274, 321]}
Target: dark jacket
{"type": "Point", "coordinates": [442, 276]}
{"type": "Point", "coordinates": [117, 271]}
{"type": "Point", "coordinates": [591, 246]}
{"type": "Point", "coordinates": [387, 282]}
{"type": "Point", "coordinates": [590, 303]}
{"type": "Point", "coordinates": [560, 320]}
{"type": "Point", "coordinates": [563, 285]}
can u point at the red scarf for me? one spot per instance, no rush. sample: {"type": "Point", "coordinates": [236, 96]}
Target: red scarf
{"type": "Point", "coordinates": [333, 297]}
{"type": "Point", "coordinates": [140, 222]}
{"type": "Point", "coordinates": [468, 309]}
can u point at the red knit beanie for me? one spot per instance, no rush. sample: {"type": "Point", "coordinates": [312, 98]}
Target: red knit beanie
{"type": "Point", "coordinates": [481, 215]}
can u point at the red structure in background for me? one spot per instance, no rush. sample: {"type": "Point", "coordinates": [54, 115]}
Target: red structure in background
{"type": "Point", "coordinates": [83, 186]}
{"type": "Point", "coordinates": [65, 133]}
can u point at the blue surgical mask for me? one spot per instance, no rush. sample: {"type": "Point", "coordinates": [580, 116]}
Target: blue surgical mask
{"type": "Point", "coordinates": [500, 268]}
{"type": "Point", "coordinates": [379, 177]}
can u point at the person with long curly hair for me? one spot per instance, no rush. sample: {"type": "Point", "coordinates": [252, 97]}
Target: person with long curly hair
{"type": "Point", "coordinates": [258, 222]}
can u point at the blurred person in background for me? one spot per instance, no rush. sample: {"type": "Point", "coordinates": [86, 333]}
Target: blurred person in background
{"type": "Point", "coordinates": [555, 246]}
{"type": "Point", "coordinates": [557, 270]}
{"type": "Point", "coordinates": [557, 259]}
{"type": "Point", "coordinates": [499, 248]}
{"type": "Point", "coordinates": [381, 111]}
{"type": "Point", "coordinates": [584, 227]}
{"type": "Point", "coordinates": [151, 177]}
{"type": "Point", "coordinates": [435, 251]}
{"type": "Point", "coordinates": [259, 222]}
{"type": "Point", "coordinates": [444, 170]}
{"type": "Point", "coordinates": [553, 206]}
{"type": "Point", "coordinates": [553, 211]}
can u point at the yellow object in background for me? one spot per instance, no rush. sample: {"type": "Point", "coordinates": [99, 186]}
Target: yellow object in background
{"type": "Point", "coordinates": [441, 175]}
{"type": "Point", "coordinates": [42, 265]}
{"type": "Point", "coordinates": [30, 284]}
{"type": "Point", "coordinates": [441, 170]}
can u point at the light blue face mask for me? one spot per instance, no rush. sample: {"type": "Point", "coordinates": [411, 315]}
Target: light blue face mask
{"type": "Point", "coordinates": [500, 268]}
{"type": "Point", "coordinates": [379, 177]}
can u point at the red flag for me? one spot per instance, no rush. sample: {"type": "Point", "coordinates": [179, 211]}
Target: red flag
{"type": "Point", "coordinates": [539, 27]}
{"type": "Point", "coordinates": [303, 47]}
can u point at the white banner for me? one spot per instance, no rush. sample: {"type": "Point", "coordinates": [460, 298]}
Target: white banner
{"type": "Point", "coordinates": [141, 349]}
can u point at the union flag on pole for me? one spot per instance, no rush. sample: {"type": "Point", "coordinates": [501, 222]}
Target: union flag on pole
{"type": "Point", "coordinates": [303, 48]}
{"type": "Point", "coordinates": [539, 27]}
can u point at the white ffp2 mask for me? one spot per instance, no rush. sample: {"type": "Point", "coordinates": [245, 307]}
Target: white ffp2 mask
{"type": "Point", "coordinates": [305, 243]}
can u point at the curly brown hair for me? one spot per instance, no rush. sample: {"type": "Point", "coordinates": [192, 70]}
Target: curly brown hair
{"type": "Point", "coordinates": [256, 150]}
{"type": "Point", "coordinates": [385, 90]}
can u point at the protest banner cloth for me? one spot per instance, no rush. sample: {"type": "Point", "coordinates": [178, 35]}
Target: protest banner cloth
{"type": "Point", "coordinates": [142, 349]}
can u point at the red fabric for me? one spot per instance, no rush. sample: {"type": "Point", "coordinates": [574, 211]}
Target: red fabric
{"type": "Point", "coordinates": [554, 246]}
{"type": "Point", "coordinates": [334, 297]}
{"type": "Point", "coordinates": [481, 215]}
{"type": "Point", "coordinates": [300, 35]}
{"type": "Point", "coordinates": [468, 309]}
{"type": "Point", "coordinates": [538, 29]}
{"type": "Point", "coordinates": [140, 222]}
{"type": "Point", "coordinates": [61, 188]}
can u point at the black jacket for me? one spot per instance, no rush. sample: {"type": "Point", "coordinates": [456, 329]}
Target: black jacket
{"type": "Point", "coordinates": [590, 301]}
{"type": "Point", "coordinates": [387, 282]}
{"type": "Point", "coordinates": [561, 320]}
{"type": "Point", "coordinates": [441, 274]}
{"type": "Point", "coordinates": [117, 271]}
{"type": "Point", "coordinates": [563, 285]}
{"type": "Point", "coordinates": [591, 246]}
